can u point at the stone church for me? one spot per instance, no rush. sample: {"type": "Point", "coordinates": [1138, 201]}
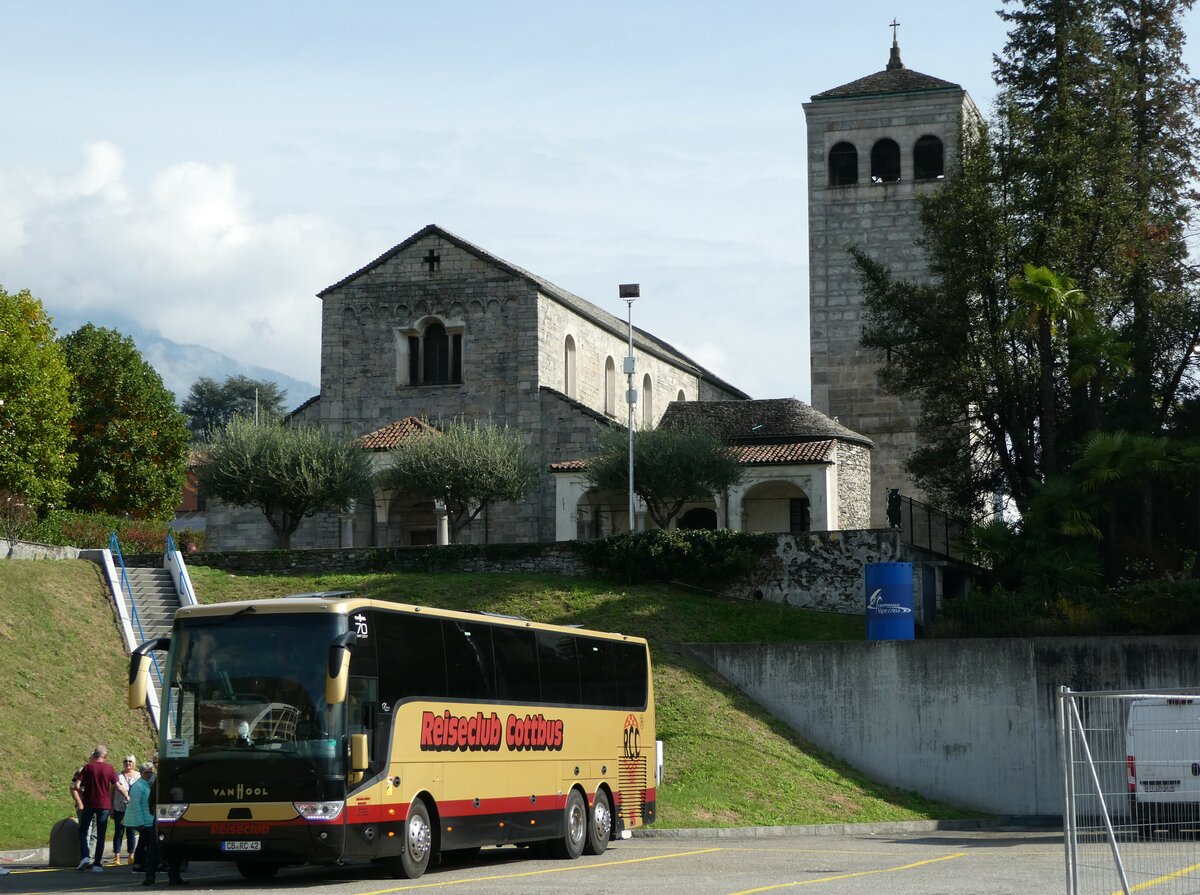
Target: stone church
{"type": "Point", "coordinates": [437, 328]}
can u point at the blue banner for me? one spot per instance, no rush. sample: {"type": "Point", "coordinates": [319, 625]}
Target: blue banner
{"type": "Point", "coordinates": [890, 613]}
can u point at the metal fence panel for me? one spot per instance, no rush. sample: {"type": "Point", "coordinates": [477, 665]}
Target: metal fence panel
{"type": "Point", "coordinates": [1131, 781]}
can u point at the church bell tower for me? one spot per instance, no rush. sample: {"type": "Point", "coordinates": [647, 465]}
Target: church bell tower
{"type": "Point", "coordinates": [875, 146]}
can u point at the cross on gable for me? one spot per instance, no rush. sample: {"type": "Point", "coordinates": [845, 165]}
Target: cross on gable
{"type": "Point", "coordinates": [434, 261]}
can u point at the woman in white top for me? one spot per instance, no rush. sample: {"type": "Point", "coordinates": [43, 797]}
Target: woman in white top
{"type": "Point", "coordinates": [125, 779]}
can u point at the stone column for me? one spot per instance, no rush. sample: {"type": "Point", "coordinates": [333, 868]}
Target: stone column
{"type": "Point", "coordinates": [443, 522]}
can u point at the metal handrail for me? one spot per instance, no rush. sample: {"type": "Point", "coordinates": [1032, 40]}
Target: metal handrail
{"type": "Point", "coordinates": [115, 547]}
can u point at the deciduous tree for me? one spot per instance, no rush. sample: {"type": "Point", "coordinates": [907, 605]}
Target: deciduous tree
{"type": "Point", "coordinates": [671, 467]}
{"type": "Point", "coordinates": [35, 404]}
{"type": "Point", "coordinates": [287, 472]}
{"type": "Point", "coordinates": [211, 404]}
{"type": "Point", "coordinates": [470, 465]}
{"type": "Point", "coordinates": [129, 441]}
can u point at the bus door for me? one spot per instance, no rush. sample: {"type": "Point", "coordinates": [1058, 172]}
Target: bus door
{"type": "Point", "coordinates": [364, 786]}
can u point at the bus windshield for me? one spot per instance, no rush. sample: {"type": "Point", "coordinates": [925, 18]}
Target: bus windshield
{"type": "Point", "coordinates": [252, 684]}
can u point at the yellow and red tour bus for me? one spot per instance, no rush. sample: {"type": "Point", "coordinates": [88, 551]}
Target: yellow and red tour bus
{"type": "Point", "coordinates": [324, 727]}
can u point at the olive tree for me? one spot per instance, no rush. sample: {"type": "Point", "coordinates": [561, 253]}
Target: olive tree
{"type": "Point", "coordinates": [671, 467]}
{"type": "Point", "coordinates": [289, 473]}
{"type": "Point", "coordinates": [469, 465]}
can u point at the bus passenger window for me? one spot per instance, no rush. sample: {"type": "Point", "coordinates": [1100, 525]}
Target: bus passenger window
{"type": "Point", "coordinates": [559, 667]}
{"type": "Point", "coordinates": [469, 671]}
{"type": "Point", "coordinates": [516, 665]}
{"type": "Point", "coordinates": [597, 672]}
{"type": "Point", "coordinates": [631, 675]}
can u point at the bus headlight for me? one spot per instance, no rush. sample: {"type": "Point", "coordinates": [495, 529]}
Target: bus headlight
{"type": "Point", "coordinates": [169, 812]}
{"type": "Point", "coordinates": [319, 810]}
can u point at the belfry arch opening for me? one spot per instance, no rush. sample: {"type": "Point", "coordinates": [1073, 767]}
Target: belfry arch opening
{"type": "Point", "coordinates": [885, 161]}
{"type": "Point", "coordinates": [843, 164]}
{"type": "Point", "coordinates": [929, 161]}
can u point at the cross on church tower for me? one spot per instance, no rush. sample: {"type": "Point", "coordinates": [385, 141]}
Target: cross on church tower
{"type": "Point", "coordinates": [433, 260]}
{"type": "Point", "coordinates": [894, 59]}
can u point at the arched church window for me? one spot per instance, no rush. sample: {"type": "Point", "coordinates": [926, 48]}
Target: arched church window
{"type": "Point", "coordinates": [569, 385]}
{"type": "Point", "coordinates": [610, 387]}
{"type": "Point", "coordinates": [928, 159]}
{"type": "Point", "coordinates": [681, 396]}
{"type": "Point", "coordinates": [647, 398]}
{"type": "Point", "coordinates": [435, 354]}
{"type": "Point", "coordinates": [430, 354]}
{"type": "Point", "coordinates": [885, 161]}
{"type": "Point", "coordinates": [843, 164]}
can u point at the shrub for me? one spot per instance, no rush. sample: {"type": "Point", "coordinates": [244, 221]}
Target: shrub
{"type": "Point", "coordinates": [700, 557]}
{"type": "Point", "coordinates": [90, 531]}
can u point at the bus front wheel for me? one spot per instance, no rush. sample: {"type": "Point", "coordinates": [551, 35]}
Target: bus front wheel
{"type": "Point", "coordinates": [599, 825]}
{"type": "Point", "coordinates": [418, 843]}
{"type": "Point", "coordinates": [575, 828]}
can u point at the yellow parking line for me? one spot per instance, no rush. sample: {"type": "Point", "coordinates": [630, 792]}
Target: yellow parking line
{"type": "Point", "coordinates": [1159, 879]}
{"type": "Point", "coordinates": [829, 879]}
{"type": "Point", "coordinates": [572, 868]}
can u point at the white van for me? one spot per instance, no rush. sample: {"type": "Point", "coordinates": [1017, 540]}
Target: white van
{"type": "Point", "coordinates": [1162, 758]}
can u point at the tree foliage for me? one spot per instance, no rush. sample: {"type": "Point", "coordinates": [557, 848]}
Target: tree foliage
{"type": "Point", "coordinates": [671, 467]}
{"type": "Point", "coordinates": [129, 441]}
{"type": "Point", "coordinates": [211, 404]}
{"type": "Point", "coordinates": [289, 473]}
{"type": "Point", "coordinates": [1085, 170]}
{"type": "Point", "coordinates": [35, 404]}
{"type": "Point", "coordinates": [469, 465]}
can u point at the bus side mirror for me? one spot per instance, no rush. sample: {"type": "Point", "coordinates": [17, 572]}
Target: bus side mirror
{"type": "Point", "coordinates": [139, 680]}
{"type": "Point", "coordinates": [337, 677]}
{"type": "Point", "coordinates": [360, 759]}
{"type": "Point", "coordinates": [139, 670]}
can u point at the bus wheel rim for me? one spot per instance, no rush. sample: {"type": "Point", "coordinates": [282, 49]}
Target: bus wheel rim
{"type": "Point", "coordinates": [603, 817]}
{"type": "Point", "coordinates": [577, 821]}
{"type": "Point", "coordinates": [419, 837]}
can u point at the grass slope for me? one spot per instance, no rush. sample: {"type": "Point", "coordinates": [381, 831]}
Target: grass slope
{"type": "Point", "coordinates": [63, 672]}
{"type": "Point", "coordinates": [728, 763]}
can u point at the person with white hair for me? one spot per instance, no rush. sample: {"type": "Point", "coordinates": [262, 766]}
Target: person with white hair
{"type": "Point", "coordinates": [126, 777]}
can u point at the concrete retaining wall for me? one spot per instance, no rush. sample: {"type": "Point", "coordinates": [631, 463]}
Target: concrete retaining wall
{"type": "Point", "coordinates": [969, 722]}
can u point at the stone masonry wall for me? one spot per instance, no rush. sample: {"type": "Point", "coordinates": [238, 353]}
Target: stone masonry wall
{"type": "Point", "coordinates": [824, 570]}
{"type": "Point", "coordinates": [853, 485]}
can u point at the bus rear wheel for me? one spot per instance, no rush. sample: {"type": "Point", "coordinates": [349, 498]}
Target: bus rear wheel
{"type": "Point", "coordinates": [575, 828]}
{"type": "Point", "coordinates": [257, 870]}
{"type": "Point", "coordinates": [417, 846]}
{"type": "Point", "coordinates": [599, 825]}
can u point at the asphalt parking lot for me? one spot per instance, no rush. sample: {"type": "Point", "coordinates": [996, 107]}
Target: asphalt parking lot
{"type": "Point", "coordinates": [978, 862]}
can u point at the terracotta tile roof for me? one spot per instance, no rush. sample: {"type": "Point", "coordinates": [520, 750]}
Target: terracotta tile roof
{"type": "Point", "coordinates": [393, 433]}
{"type": "Point", "coordinates": [569, 466]}
{"type": "Point", "coordinates": [795, 452]}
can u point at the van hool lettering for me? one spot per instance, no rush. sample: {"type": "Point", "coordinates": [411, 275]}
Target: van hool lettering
{"type": "Point", "coordinates": [239, 792]}
{"type": "Point", "coordinates": [484, 733]}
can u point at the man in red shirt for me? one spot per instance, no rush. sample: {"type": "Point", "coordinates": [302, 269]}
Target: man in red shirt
{"type": "Point", "coordinates": [97, 780]}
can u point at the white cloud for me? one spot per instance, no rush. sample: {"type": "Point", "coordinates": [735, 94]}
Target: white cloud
{"type": "Point", "coordinates": [186, 255]}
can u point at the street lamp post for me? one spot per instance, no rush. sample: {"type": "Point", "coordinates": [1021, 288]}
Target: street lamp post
{"type": "Point", "coordinates": [630, 292]}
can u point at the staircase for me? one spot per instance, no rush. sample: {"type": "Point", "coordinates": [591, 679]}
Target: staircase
{"type": "Point", "coordinates": [154, 600]}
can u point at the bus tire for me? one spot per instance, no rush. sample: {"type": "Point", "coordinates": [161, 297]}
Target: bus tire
{"type": "Point", "coordinates": [257, 870]}
{"type": "Point", "coordinates": [575, 828]}
{"type": "Point", "coordinates": [599, 825]}
{"type": "Point", "coordinates": [417, 847]}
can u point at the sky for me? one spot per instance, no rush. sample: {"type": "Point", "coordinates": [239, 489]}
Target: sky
{"type": "Point", "coordinates": [204, 169]}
